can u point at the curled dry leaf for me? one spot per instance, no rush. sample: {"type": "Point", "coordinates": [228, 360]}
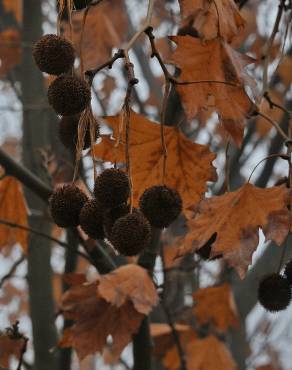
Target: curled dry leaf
{"type": "Point", "coordinates": [10, 50]}
{"type": "Point", "coordinates": [213, 18]}
{"type": "Point", "coordinates": [201, 354]}
{"type": "Point", "coordinates": [106, 307]}
{"type": "Point", "coordinates": [106, 24]}
{"type": "Point", "coordinates": [9, 347]}
{"type": "Point", "coordinates": [163, 337]}
{"type": "Point", "coordinates": [129, 282]}
{"type": "Point", "coordinates": [188, 165]}
{"type": "Point", "coordinates": [234, 219]}
{"type": "Point", "coordinates": [13, 209]}
{"type": "Point", "coordinates": [215, 305]}
{"type": "Point", "coordinates": [215, 60]}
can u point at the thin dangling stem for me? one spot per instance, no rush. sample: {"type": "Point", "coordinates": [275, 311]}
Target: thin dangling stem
{"type": "Point", "coordinates": [162, 123]}
{"type": "Point", "coordinates": [81, 41]}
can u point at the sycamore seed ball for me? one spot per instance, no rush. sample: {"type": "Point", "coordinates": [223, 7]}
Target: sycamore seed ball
{"type": "Point", "coordinates": [69, 95]}
{"type": "Point", "coordinates": [288, 272]}
{"type": "Point", "coordinates": [111, 215]}
{"type": "Point", "coordinates": [274, 292]}
{"type": "Point", "coordinates": [91, 219]}
{"type": "Point", "coordinates": [161, 205]}
{"type": "Point", "coordinates": [65, 205]}
{"type": "Point", "coordinates": [81, 4]}
{"type": "Point", "coordinates": [53, 54]}
{"type": "Point", "coordinates": [131, 234]}
{"type": "Point", "coordinates": [112, 188]}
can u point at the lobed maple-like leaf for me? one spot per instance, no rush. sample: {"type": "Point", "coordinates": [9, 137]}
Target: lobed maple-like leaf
{"type": "Point", "coordinates": [129, 282]}
{"type": "Point", "coordinates": [13, 209]}
{"type": "Point", "coordinates": [201, 354]}
{"type": "Point", "coordinates": [215, 305]}
{"type": "Point", "coordinates": [213, 18]}
{"type": "Point", "coordinates": [234, 219]}
{"type": "Point", "coordinates": [188, 165]}
{"type": "Point", "coordinates": [98, 312]}
{"type": "Point", "coordinates": [215, 60]}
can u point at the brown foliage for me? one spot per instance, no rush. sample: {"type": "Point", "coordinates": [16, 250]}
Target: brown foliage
{"type": "Point", "coordinates": [212, 19]}
{"type": "Point", "coordinates": [215, 305]}
{"type": "Point", "coordinates": [235, 218]}
{"type": "Point", "coordinates": [112, 305]}
{"type": "Point", "coordinates": [104, 29]}
{"type": "Point", "coordinates": [10, 50]}
{"type": "Point", "coordinates": [13, 209]}
{"type": "Point", "coordinates": [201, 354]}
{"type": "Point", "coordinates": [188, 165]}
{"type": "Point", "coordinates": [214, 60]}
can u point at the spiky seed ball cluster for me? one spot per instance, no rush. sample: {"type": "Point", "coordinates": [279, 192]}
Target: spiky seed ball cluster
{"type": "Point", "coordinates": [53, 54]}
{"type": "Point", "coordinates": [274, 292]}
{"type": "Point", "coordinates": [65, 204]}
{"type": "Point", "coordinates": [161, 205]}
{"type": "Point", "coordinates": [91, 219]}
{"type": "Point", "coordinates": [112, 188]}
{"type": "Point", "coordinates": [131, 233]}
{"type": "Point", "coordinates": [111, 215]}
{"type": "Point", "coordinates": [69, 95]}
{"type": "Point", "coordinates": [288, 271]}
{"type": "Point", "coordinates": [68, 132]}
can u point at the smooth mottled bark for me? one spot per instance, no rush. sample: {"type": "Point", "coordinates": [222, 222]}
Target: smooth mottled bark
{"type": "Point", "coordinates": [38, 133]}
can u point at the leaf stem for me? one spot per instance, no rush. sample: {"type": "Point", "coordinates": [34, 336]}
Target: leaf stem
{"type": "Point", "coordinates": [275, 124]}
{"type": "Point", "coordinates": [269, 45]}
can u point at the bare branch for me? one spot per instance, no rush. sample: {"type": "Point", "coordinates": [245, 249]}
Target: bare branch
{"type": "Point", "coordinates": [33, 231]}
{"type": "Point", "coordinates": [12, 270]}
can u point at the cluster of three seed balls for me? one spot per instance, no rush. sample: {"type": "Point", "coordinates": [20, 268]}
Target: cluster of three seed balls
{"type": "Point", "coordinates": [108, 214]}
{"type": "Point", "coordinates": [274, 292]}
{"type": "Point", "coordinates": [68, 95]}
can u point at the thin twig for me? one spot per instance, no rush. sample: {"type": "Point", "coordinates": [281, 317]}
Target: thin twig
{"type": "Point", "coordinates": [162, 123]}
{"type": "Point", "coordinates": [275, 124]}
{"type": "Point", "coordinates": [81, 41]}
{"type": "Point", "coordinates": [145, 25]}
{"type": "Point", "coordinates": [279, 155]}
{"type": "Point", "coordinates": [23, 350]}
{"type": "Point", "coordinates": [176, 339]}
{"type": "Point", "coordinates": [269, 46]}
{"type": "Point", "coordinates": [272, 104]}
{"type": "Point", "coordinates": [12, 270]}
{"type": "Point", "coordinates": [227, 180]}
{"type": "Point", "coordinates": [126, 114]}
{"type": "Point", "coordinates": [43, 235]}
{"type": "Point", "coordinates": [92, 72]}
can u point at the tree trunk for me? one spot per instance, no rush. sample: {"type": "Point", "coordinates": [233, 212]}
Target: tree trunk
{"type": "Point", "coordinates": [37, 136]}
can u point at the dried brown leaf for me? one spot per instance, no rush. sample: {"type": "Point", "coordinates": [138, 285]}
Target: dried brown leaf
{"type": "Point", "coordinates": [215, 60]}
{"type": "Point", "coordinates": [235, 219]}
{"type": "Point", "coordinates": [215, 305]}
{"type": "Point", "coordinates": [188, 165]}
{"type": "Point", "coordinates": [113, 305]}
{"type": "Point", "coordinates": [129, 282]}
{"type": "Point", "coordinates": [13, 209]}
{"type": "Point", "coordinates": [213, 18]}
{"type": "Point", "coordinates": [201, 354]}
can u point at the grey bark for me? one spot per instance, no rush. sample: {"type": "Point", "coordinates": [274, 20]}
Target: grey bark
{"type": "Point", "coordinates": [37, 135]}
